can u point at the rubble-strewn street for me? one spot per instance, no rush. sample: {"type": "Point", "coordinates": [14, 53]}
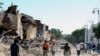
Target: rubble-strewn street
{"type": "Point", "coordinates": [5, 51]}
{"type": "Point", "coordinates": [53, 27]}
{"type": "Point", "coordinates": [73, 53]}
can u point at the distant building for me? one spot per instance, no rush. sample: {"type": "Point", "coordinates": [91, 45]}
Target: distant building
{"type": "Point", "coordinates": [90, 36]}
{"type": "Point", "coordinates": [39, 28]}
{"type": "Point", "coordinates": [46, 33]}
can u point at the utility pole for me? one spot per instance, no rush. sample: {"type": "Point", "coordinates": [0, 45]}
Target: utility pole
{"type": "Point", "coordinates": [91, 30]}
{"type": "Point", "coordinates": [98, 12]}
{"type": "Point", "coordinates": [86, 33]}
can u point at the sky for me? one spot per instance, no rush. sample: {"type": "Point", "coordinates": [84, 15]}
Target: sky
{"type": "Point", "coordinates": [66, 15]}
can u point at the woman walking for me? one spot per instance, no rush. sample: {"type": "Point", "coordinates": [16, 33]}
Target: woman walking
{"type": "Point", "coordinates": [67, 50]}
{"type": "Point", "coordinates": [53, 49]}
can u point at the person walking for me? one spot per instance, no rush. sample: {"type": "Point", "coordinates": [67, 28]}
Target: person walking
{"type": "Point", "coordinates": [93, 47]}
{"type": "Point", "coordinates": [78, 49]}
{"type": "Point", "coordinates": [67, 50]}
{"type": "Point", "coordinates": [45, 49]}
{"type": "Point", "coordinates": [85, 46]}
{"type": "Point", "coordinates": [82, 47]}
{"type": "Point", "coordinates": [15, 47]}
{"type": "Point", "coordinates": [53, 49]}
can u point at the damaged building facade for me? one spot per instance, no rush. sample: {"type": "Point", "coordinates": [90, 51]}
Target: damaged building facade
{"type": "Point", "coordinates": [23, 25]}
{"type": "Point", "coordinates": [29, 27]}
{"type": "Point", "coordinates": [46, 32]}
{"type": "Point", "coordinates": [10, 21]}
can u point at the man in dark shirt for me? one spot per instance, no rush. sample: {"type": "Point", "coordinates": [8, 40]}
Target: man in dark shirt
{"type": "Point", "coordinates": [15, 48]}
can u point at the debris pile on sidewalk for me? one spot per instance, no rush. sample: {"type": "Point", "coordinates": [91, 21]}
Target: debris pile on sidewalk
{"type": "Point", "coordinates": [5, 51]}
{"type": "Point", "coordinates": [35, 51]}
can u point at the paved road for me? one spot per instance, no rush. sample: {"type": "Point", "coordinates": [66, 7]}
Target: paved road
{"type": "Point", "coordinates": [73, 52]}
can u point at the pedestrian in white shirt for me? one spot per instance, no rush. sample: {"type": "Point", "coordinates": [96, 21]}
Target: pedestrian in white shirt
{"type": "Point", "coordinates": [53, 49]}
{"type": "Point", "coordinates": [78, 49]}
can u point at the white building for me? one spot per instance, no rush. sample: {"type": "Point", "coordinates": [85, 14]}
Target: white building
{"type": "Point", "coordinates": [90, 35]}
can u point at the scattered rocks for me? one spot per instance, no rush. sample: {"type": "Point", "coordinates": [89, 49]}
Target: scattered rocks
{"type": "Point", "coordinates": [5, 51]}
{"type": "Point", "coordinates": [2, 54]}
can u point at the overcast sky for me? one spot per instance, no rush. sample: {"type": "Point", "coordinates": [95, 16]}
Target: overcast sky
{"type": "Point", "coordinates": [66, 15]}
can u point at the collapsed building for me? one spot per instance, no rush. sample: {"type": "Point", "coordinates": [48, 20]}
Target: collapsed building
{"type": "Point", "coordinates": [14, 24]}
{"type": "Point", "coordinates": [29, 27]}
{"type": "Point", "coordinates": [19, 24]}
{"type": "Point", "coordinates": [10, 22]}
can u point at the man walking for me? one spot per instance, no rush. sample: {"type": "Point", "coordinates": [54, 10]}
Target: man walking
{"type": "Point", "coordinates": [78, 49]}
{"type": "Point", "coordinates": [45, 49]}
{"type": "Point", "coordinates": [15, 47]}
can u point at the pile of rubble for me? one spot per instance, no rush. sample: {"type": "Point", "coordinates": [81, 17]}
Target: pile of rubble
{"type": "Point", "coordinates": [14, 24]}
{"type": "Point", "coordinates": [5, 51]}
{"type": "Point", "coordinates": [36, 51]}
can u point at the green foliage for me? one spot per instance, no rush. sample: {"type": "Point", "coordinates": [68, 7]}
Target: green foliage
{"type": "Point", "coordinates": [70, 38]}
{"type": "Point", "coordinates": [56, 33]}
{"type": "Point", "coordinates": [96, 30]}
{"type": "Point", "coordinates": [76, 36]}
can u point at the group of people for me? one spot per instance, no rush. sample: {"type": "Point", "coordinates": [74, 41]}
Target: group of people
{"type": "Point", "coordinates": [48, 47]}
{"type": "Point", "coordinates": [52, 47]}
{"type": "Point", "coordinates": [80, 48]}
{"type": "Point", "coordinates": [85, 48]}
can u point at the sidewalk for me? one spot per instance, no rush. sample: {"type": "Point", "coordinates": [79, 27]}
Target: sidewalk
{"type": "Point", "coordinates": [74, 53]}
{"type": "Point", "coordinates": [60, 52]}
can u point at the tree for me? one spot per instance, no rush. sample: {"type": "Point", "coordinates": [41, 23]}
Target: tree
{"type": "Point", "coordinates": [57, 33]}
{"type": "Point", "coordinates": [96, 30]}
{"type": "Point", "coordinates": [70, 38]}
{"type": "Point", "coordinates": [78, 35]}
